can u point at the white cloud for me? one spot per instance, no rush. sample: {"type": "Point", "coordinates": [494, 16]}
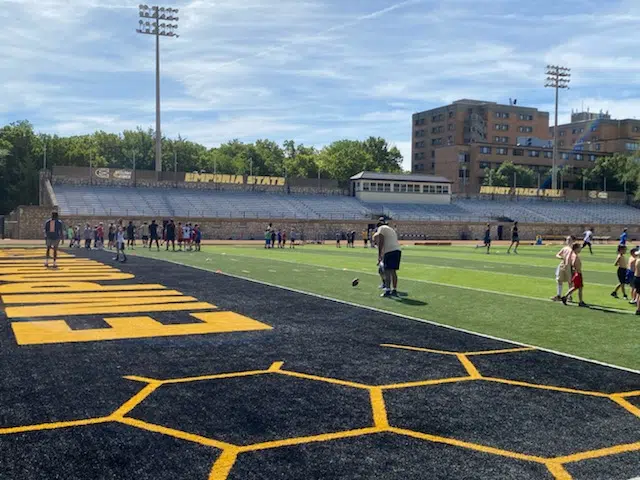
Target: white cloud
{"type": "Point", "coordinates": [312, 70]}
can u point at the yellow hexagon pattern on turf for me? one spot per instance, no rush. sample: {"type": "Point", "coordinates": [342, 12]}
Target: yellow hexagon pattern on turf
{"type": "Point", "coordinates": [224, 463]}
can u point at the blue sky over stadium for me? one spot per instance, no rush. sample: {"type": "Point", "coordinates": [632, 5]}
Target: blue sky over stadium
{"type": "Point", "coordinates": [311, 70]}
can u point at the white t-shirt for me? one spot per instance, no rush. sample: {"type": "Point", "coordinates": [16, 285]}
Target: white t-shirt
{"type": "Point", "coordinates": [390, 239]}
{"type": "Point", "coordinates": [120, 236]}
{"type": "Point", "coordinates": [587, 236]}
{"type": "Point", "coordinates": [186, 233]}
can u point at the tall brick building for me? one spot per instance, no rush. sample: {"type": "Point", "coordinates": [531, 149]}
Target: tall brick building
{"type": "Point", "coordinates": [461, 140]}
{"type": "Point", "coordinates": [599, 133]}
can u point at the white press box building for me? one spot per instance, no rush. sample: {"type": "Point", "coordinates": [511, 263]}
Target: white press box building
{"type": "Point", "coordinates": [373, 187]}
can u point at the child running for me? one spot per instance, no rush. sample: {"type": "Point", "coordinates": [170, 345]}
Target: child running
{"type": "Point", "coordinates": [576, 278]}
{"type": "Point", "coordinates": [621, 263]}
{"type": "Point", "coordinates": [515, 239]}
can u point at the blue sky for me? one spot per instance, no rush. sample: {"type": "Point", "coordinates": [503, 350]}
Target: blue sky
{"type": "Point", "coordinates": [311, 70]}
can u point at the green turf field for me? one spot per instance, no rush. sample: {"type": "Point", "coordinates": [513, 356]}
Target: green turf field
{"type": "Point", "coordinates": [498, 294]}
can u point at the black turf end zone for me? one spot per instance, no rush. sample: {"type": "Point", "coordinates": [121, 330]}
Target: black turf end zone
{"type": "Point", "coordinates": [381, 456]}
{"type": "Point", "coordinates": [314, 336]}
{"type": "Point", "coordinates": [105, 452]}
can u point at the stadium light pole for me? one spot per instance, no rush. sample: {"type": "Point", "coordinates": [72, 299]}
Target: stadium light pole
{"type": "Point", "coordinates": [557, 78]}
{"type": "Point", "coordinates": [161, 22]}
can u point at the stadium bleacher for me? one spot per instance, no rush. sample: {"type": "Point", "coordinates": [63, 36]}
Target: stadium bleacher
{"type": "Point", "coordinates": [185, 202]}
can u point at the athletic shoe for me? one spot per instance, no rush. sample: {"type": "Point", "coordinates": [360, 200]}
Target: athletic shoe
{"type": "Point", "coordinates": [564, 300]}
{"type": "Point", "coordinates": [386, 294]}
{"type": "Point", "coordinates": [556, 298]}
{"type": "Point", "coordinates": [582, 304]}
{"type": "Point", "coordinates": [394, 293]}
{"type": "Point", "coordinates": [637, 312]}
{"type": "Point", "coordinates": [382, 286]}
{"type": "Point", "coordinates": [632, 302]}
{"type": "Point", "coordinates": [614, 295]}
{"type": "Point", "coordinates": [46, 264]}
{"type": "Point", "coordinates": [626, 298]}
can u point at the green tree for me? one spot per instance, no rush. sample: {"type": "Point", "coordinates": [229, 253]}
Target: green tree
{"type": "Point", "coordinates": [504, 176]}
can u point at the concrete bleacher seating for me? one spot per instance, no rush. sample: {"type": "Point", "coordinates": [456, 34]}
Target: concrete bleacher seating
{"type": "Point", "coordinates": [185, 202]}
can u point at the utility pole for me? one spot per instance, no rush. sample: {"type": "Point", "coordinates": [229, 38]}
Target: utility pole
{"type": "Point", "coordinates": [557, 78]}
{"type": "Point", "coordinates": [155, 27]}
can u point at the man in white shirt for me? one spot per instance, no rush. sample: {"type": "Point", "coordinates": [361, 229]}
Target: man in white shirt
{"type": "Point", "coordinates": [588, 237]}
{"type": "Point", "coordinates": [389, 254]}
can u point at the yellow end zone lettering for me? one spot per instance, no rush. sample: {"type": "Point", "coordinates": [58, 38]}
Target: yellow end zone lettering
{"type": "Point", "coordinates": [57, 286]}
{"type": "Point", "coordinates": [58, 331]}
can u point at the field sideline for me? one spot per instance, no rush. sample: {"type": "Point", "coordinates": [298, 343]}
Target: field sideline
{"type": "Point", "coordinates": [501, 295]}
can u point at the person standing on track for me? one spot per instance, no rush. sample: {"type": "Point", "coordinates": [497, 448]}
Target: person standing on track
{"type": "Point", "coordinates": [621, 263]}
{"type": "Point", "coordinates": [153, 235]}
{"type": "Point", "coordinates": [120, 244]}
{"type": "Point", "coordinates": [389, 254]}
{"type": "Point", "coordinates": [53, 234]}
{"type": "Point", "coordinates": [515, 239]}
{"type": "Point", "coordinates": [131, 235]}
{"type": "Point", "coordinates": [170, 233]}
{"type": "Point", "coordinates": [588, 239]}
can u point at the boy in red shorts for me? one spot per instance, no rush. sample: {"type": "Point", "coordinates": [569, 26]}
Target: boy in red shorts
{"type": "Point", "coordinates": [576, 279]}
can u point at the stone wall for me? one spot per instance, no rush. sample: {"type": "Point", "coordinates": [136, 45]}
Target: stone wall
{"type": "Point", "coordinates": [30, 222]}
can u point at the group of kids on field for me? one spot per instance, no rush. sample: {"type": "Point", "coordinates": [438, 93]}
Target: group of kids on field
{"type": "Point", "coordinates": [570, 270]}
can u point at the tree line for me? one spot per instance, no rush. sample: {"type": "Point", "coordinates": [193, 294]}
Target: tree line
{"type": "Point", "coordinates": [617, 173]}
{"type": "Point", "coordinates": [23, 153]}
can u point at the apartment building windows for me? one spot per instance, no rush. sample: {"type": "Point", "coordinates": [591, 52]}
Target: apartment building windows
{"type": "Point", "coordinates": [433, 154]}
{"type": "Point", "coordinates": [594, 128]}
{"type": "Point", "coordinates": [484, 165]}
{"type": "Point", "coordinates": [420, 144]}
{"type": "Point", "coordinates": [501, 139]}
{"type": "Point", "coordinates": [419, 121]}
{"type": "Point", "coordinates": [501, 151]}
{"type": "Point", "coordinates": [501, 126]}
{"type": "Point", "coordinates": [439, 129]}
{"type": "Point", "coordinates": [592, 157]}
{"type": "Point", "coordinates": [597, 147]}
{"type": "Point", "coordinates": [562, 133]}
{"type": "Point", "coordinates": [436, 141]}
{"type": "Point", "coordinates": [561, 143]}
{"type": "Point", "coordinates": [525, 116]}
{"type": "Point", "coordinates": [565, 156]}
{"type": "Point", "coordinates": [437, 118]}
{"type": "Point", "coordinates": [451, 113]}
{"type": "Point", "coordinates": [574, 131]}
{"type": "Point", "coordinates": [579, 157]}
{"type": "Point", "coordinates": [631, 146]}
{"type": "Point", "coordinates": [518, 152]}
{"type": "Point", "coordinates": [451, 127]}
{"type": "Point", "coordinates": [485, 149]}
{"type": "Point", "coordinates": [502, 114]}
{"type": "Point", "coordinates": [534, 153]}
{"type": "Point", "coordinates": [548, 154]}
{"type": "Point", "coordinates": [525, 129]}
{"type": "Point", "coordinates": [636, 129]}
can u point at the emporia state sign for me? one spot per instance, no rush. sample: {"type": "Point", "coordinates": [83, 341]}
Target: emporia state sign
{"type": "Point", "coordinates": [237, 179]}
{"type": "Point", "coordinates": [523, 192]}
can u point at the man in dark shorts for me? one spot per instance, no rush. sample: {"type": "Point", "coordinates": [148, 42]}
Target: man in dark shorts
{"type": "Point", "coordinates": [515, 239]}
{"type": "Point", "coordinates": [487, 238]}
{"type": "Point", "coordinates": [170, 233]}
{"type": "Point", "coordinates": [52, 235]}
{"type": "Point", "coordinates": [389, 254]}
{"type": "Point", "coordinates": [153, 234]}
{"type": "Point", "coordinates": [131, 235]}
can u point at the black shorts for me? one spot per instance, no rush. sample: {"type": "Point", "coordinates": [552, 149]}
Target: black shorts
{"type": "Point", "coordinates": [622, 275]}
{"type": "Point", "coordinates": [391, 260]}
{"type": "Point", "coordinates": [515, 239]}
{"type": "Point", "coordinates": [636, 283]}
{"type": "Point", "coordinates": [144, 237]}
{"type": "Point", "coordinates": [585, 244]}
{"type": "Point", "coordinates": [487, 241]}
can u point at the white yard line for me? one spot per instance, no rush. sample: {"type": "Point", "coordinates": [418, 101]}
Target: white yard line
{"type": "Point", "coordinates": [408, 317]}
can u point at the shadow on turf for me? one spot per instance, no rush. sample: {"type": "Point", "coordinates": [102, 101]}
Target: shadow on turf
{"type": "Point", "coordinates": [402, 298]}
